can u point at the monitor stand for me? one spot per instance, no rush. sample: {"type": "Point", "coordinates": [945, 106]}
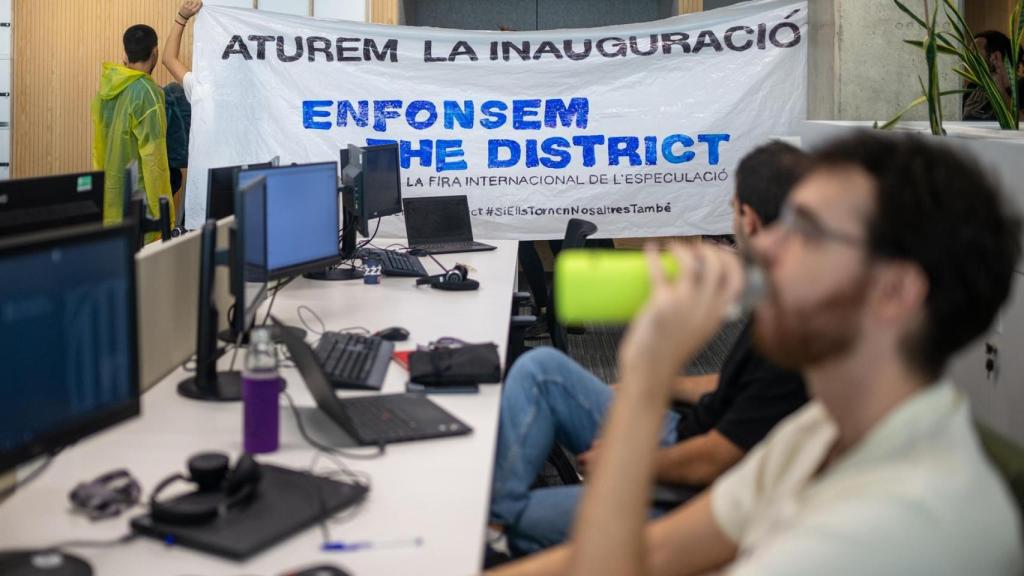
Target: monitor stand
{"type": "Point", "coordinates": [43, 563]}
{"type": "Point", "coordinates": [335, 274]}
{"type": "Point", "coordinates": [348, 250]}
{"type": "Point", "coordinates": [224, 387]}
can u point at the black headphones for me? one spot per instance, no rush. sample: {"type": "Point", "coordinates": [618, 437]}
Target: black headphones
{"type": "Point", "coordinates": [456, 278]}
{"type": "Point", "coordinates": [218, 489]}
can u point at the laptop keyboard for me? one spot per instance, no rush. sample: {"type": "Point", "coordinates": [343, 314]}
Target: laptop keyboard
{"type": "Point", "coordinates": [348, 359]}
{"type": "Point", "coordinates": [399, 418]}
{"type": "Point", "coordinates": [449, 246]}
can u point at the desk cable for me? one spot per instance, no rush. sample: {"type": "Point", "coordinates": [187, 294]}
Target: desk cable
{"type": "Point", "coordinates": [359, 246]}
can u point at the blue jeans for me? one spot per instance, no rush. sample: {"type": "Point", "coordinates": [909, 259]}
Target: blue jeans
{"type": "Point", "coordinates": [547, 398]}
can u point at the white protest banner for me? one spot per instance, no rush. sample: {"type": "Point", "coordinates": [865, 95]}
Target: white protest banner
{"type": "Point", "coordinates": [638, 128]}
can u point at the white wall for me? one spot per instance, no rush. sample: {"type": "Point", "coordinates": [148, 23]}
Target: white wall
{"type": "Point", "coordinates": [355, 10]}
{"type": "Point", "coordinates": [231, 3]}
{"type": "Point", "coordinates": [297, 7]}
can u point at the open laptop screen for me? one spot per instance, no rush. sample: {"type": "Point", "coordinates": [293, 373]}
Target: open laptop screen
{"type": "Point", "coordinates": [436, 219]}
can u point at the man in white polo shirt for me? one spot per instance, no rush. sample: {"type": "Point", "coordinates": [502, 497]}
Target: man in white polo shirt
{"type": "Point", "coordinates": [893, 253]}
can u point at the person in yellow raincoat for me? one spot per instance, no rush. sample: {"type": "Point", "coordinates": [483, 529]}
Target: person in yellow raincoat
{"type": "Point", "coordinates": [129, 123]}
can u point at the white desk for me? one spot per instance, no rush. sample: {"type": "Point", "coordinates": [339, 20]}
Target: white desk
{"type": "Point", "coordinates": [438, 490]}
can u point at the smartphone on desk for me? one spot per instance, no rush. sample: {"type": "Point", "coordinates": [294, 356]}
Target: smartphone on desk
{"type": "Point", "coordinates": [411, 386]}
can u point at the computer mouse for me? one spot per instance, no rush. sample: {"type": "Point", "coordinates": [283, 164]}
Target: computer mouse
{"type": "Point", "coordinates": [393, 333]}
{"type": "Point", "coordinates": [319, 570]}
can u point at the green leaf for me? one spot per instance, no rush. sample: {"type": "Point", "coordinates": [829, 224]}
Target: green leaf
{"type": "Point", "coordinates": [908, 12]}
{"type": "Point", "coordinates": [943, 48]}
{"type": "Point", "coordinates": [917, 102]}
{"type": "Point", "coordinates": [899, 116]}
{"type": "Point", "coordinates": [966, 74]}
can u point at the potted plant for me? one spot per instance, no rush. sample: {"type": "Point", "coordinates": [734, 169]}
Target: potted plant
{"type": "Point", "coordinates": [972, 65]}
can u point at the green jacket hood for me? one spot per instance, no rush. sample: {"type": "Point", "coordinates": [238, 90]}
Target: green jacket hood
{"type": "Point", "coordinates": [116, 78]}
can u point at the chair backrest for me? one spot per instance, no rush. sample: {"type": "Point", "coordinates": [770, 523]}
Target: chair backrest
{"type": "Point", "coordinates": [1008, 458]}
{"type": "Point", "coordinates": [576, 233]}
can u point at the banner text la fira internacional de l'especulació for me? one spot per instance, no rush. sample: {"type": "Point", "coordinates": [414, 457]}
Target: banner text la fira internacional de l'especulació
{"type": "Point", "coordinates": [638, 128]}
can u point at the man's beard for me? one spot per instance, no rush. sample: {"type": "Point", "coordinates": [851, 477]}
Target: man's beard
{"type": "Point", "coordinates": [798, 337]}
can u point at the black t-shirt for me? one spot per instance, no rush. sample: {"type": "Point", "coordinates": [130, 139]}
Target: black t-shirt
{"type": "Point", "coordinates": [752, 397]}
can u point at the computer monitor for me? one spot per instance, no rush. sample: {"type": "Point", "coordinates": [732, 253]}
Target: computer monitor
{"type": "Point", "coordinates": [248, 254]}
{"type": "Point", "coordinates": [220, 188]}
{"type": "Point", "coordinates": [302, 217]}
{"type": "Point", "coordinates": [207, 383]}
{"type": "Point", "coordinates": [68, 347]}
{"type": "Point", "coordinates": [37, 204]}
{"type": "Point", "coordinates": [373, 179]}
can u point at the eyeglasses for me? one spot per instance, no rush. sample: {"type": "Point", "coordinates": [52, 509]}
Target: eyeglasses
{"type": "Point", "coordinates": [803, 223]}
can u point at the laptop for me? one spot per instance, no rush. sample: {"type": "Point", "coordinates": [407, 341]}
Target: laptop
{"type": "Point", "coordinates": [372, 420]}
{"type": "Point", "coordinates": [440, 225]}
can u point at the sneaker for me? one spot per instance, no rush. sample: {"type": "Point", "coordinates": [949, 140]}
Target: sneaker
{"type": "Point", "coordinates": [496, 550]}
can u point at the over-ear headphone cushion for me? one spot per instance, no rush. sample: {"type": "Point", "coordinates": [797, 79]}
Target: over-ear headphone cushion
{"type": "Point", "coordinates": [198, 507]}
{"type": "Point", "coordinates": [208, 470]}
{"type": "Point", "coordinates": [243, 480]}
{"type": "Point", "coordinates": [204, 505]}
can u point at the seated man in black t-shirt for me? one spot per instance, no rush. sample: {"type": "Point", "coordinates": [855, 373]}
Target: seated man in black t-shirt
{"type": "Point", "coordinates": [549, 398]}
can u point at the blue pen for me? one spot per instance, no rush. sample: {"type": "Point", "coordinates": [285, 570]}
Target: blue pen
{"type": "Point", "coordinates": [355, 546]}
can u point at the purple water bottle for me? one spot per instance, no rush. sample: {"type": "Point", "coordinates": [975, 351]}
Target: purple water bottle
{"type": "Point", "coordinates": [261, 387]}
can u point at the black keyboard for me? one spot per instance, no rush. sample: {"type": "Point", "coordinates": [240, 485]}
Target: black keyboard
{"type": "Point", "coordinates": [399, 418]}
{"type": "Point", "coordinates": [353, 360]}
{"type": "Point", "coordinates": [398, 263]}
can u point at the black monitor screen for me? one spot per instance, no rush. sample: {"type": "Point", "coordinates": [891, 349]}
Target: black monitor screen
{"type": "Point", "coordinates": [382, 193]}
{"type": "Point", "coordinates": [37, 204]}
{"type": "Point", "coordinates": [302, 216]}
{"type": "Point", "coordinates": [220, 189]}
{"type": "Point", "coordinates": [250, 264]}
{"type": "Point", "coordinates": [67, 340]}
{"type": "Point", "coordinates": [433, 219]}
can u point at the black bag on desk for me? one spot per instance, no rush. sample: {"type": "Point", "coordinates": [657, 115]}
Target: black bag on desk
{"type": "Point", "coordinates": [459, 366]}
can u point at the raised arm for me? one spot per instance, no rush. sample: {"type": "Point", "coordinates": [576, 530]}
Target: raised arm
{"type": "Point", "coordinates": [680, 317]}
{"type": "Point", "coordinates": [175, 66]}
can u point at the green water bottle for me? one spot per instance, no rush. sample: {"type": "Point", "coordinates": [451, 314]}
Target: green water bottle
{"type": "Point", "coordinates": [611, 286]}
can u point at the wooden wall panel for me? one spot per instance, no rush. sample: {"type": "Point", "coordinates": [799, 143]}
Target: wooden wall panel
{"type": "Point", "coordinates": [985, 15]}
{"type": "Point", "coordinates": [689, 6]}
{"type": "Point", "coordinates": [59, 47]}
{"type": "Point", "coordinates": [383, 11]}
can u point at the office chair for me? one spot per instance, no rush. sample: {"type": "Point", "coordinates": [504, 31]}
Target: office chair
{"type": "Point", "coordinates": [576, 233]}
{"type": "Point", "coordinates": [517, 328]}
